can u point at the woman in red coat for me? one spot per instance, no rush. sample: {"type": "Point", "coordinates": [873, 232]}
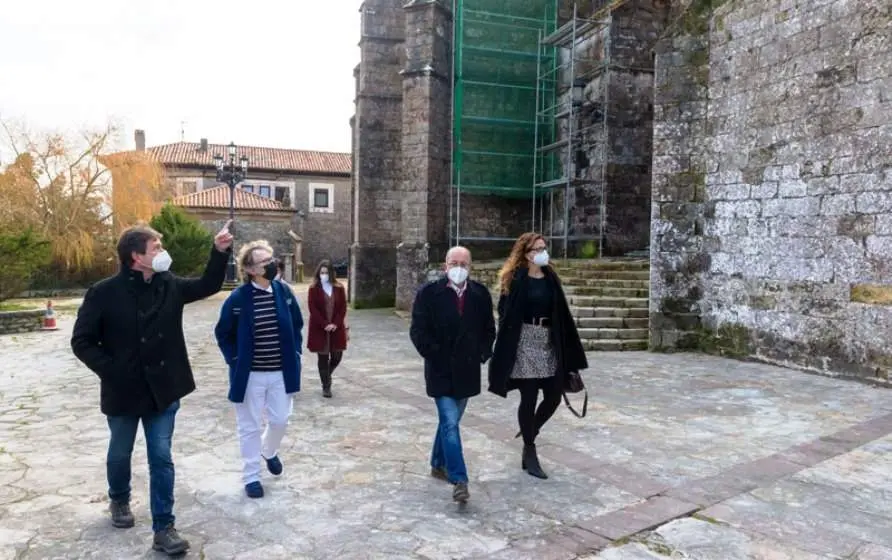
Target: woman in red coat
{"type": "Point", "coordinates": [327, 333]}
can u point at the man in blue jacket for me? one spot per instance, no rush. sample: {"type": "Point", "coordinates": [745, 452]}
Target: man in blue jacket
{"type": "Point", "coordinates": [259, 336]}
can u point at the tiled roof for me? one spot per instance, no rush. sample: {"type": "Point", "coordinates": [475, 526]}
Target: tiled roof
{"type": "Point", "coordinates": [218, 198]}
{"type": "Point", "coordinates": [277, 159]}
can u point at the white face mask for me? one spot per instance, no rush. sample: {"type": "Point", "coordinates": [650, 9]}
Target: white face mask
{"type": "Point", "coordinates": [457, 274]}
{"type": "Point", "coordinates": [541, 259]}
{"type": "Point", "coordinates": [324, 278]}
{"type": "Point", "coordinates": [161, 262]}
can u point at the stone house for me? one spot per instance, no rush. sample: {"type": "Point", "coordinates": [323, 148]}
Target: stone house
{"type": "Point", "coordinates": [309, 188]}
{"type": "Point", "coordinates": [256, 217]}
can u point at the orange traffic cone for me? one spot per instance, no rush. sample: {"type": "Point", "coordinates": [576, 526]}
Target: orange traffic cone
{"type": "Point", "coordinates": [49, 318]}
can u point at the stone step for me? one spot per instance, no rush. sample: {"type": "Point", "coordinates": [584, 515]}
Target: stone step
{"type": "Point", "coordinates": [597, 312]}
{"type": "Point", "coordinates": [613, 334]}
{"type": "Point", "coordinates": [578, 264]}
{"type": "Point", "coordinates": [614, 345]}
{"type": "Point", "coordinates": [605, 283]}
{"type": "Point", "coordinates": [606, 291]}
{"type": "Point", "coordinates": [612, 323]}
{"type": "Point", "coordinates": [599, 301]}
{"type": "Point", "coordinates": [577, 275]}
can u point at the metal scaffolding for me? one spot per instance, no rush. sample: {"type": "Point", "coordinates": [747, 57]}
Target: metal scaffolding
{"type": "Point", "coordinates": [516, 129]}
{"type": "Point", "coordinates": [493, 102]}
{"type": "Point", "coordinates": [571, 125]}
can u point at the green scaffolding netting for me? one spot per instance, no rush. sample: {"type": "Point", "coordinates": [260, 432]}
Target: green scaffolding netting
{"type": "Point", "coordinates": [497, 63]}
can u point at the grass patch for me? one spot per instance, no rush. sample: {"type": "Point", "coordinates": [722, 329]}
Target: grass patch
{"type": "Point", "coordinates": [875, 294]}
{"type": "Point", "coordinates": [707, 519]}
{"type": "Point", "coordinates": [7, 306]}
{"type": "Point", "coordinates": [660, 548]}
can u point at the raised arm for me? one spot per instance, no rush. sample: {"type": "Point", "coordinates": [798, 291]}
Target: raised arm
{"type": "Point", "coordinates": [210, 282]}
{"type": "Point", "coordinates": [194, 289]}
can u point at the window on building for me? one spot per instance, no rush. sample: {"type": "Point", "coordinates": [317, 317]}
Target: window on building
{"type": "Point", "coordinates": [188, 187]}
{"type": "Point", "coordinates": [281, 194]}
{"type": "Point", "coordinates": [321, 197]}
{"type": "Point", "coordinates": [248, 188]}
{"type": "Point", "coordinates": [264, 191]}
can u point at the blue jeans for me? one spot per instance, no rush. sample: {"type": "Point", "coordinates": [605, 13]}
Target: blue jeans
{"type": "Point", "coordinates": [447, 452]}
{"type": "Point", "coordinates": [158, 429]}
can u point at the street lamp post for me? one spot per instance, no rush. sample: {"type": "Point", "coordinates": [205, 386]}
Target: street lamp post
{"type": "Point", "coordinates": [231, 174]}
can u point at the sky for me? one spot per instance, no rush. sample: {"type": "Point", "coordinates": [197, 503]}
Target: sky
{"type": "Point", "coordinates": [275, 73]}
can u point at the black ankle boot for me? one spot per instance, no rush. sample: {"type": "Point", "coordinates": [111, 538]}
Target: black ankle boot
{"type": "Point", "coordinates": [325, 378]}
{"type": "Point", "coordinates": [530, 462]}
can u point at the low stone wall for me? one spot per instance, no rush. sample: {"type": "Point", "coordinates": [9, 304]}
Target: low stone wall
{"type": "Point", "coordinates": [20, 321]}
{"type": "Point", "coordinates": [487, 272]}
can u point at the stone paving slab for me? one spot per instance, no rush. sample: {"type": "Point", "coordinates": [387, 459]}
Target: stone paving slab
{"type": "Point", "coordinates": [787, 465]}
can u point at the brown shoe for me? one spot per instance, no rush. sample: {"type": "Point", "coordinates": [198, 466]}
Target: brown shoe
{"type": "Point", "coordinates": [440, 474]}
{"type": "Point", "coordinates": [460, 494]}
{"type": "Point", "coordinates": [121, 516]}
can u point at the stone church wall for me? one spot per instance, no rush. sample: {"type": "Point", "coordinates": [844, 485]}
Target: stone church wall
{"type": "Point", "coordinates": [771, 227]}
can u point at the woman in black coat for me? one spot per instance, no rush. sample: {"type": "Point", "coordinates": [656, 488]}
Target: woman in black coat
{"type": "Point", "coordinates": [537, 342]}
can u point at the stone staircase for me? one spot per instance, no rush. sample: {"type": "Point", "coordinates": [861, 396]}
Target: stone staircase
{"type": "Point", "coordinates": [607, 297]}
{"type": "Point", "coordinates": [609, 300]}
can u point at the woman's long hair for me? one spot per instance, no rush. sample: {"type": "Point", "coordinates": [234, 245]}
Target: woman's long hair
{"type": "Point", "coordinates": [332, 279]}
{"type": "Point", "coordinates": [517, 259]}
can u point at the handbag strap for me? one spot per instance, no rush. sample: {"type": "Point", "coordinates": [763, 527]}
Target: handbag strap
{"type": "Point", "coordinates": [584, 405]}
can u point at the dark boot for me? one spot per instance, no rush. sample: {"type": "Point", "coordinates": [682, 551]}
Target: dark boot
{"type": "Point", "coordinates": [170, 542]}
{"type": "Point", "coordinates": [519, 433]}
{"type": "Point", "coordinates": [121, 516]}
{"type": "Point", "coordinates": [325, 378]}
{"type": "Point", "coordinates": [530, 462]}
{"type": "Point", "coordinates": [440, 474]}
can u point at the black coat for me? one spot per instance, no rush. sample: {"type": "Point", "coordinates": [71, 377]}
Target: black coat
{"type": "Point", "coordinates": [453, 345]}
{"type": "Point", "coordinates": [130, 333]}
{"type": "Point", "coordinates": [564, 337]}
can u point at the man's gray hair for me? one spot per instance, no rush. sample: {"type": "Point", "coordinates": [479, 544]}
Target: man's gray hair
{"type": "Point", "coordinates": [458, 248]}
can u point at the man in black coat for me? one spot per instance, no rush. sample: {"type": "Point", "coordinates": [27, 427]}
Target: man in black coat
{"type": "Point", "coordinates": [453, 329]}
{"type": "Point", "coordinates": [129, 331]}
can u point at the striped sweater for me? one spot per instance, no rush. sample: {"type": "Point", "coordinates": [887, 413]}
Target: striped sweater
{"type": "Point", "coordinates": [267, 348]}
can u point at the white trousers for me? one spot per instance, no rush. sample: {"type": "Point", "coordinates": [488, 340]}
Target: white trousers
{"type": "Point", "coordinates": [265, 394]}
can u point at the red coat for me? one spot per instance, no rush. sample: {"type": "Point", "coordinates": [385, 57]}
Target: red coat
{"type": "Point", "coordinates": [316, 334]}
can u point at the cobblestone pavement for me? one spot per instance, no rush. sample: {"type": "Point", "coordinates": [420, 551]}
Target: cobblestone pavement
{"type": "Point", "coordinates": [681, 456]}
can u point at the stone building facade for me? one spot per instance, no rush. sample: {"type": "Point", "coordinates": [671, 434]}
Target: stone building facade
{"type": "Point", "coordinates": [772, 190]}
{"type": "Point", "coordinates": [402, 138]}
{"type": "Point", "coordinates": [748, 145]}
{"type": "Point", "coordinates": [315, 185]}
{"type": "Point", "coordinates": [257, 217]}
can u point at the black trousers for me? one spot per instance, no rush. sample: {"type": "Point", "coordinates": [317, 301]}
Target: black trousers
{"type": "Point", "coordinates": [529, 417]}
{"type": "Point", "coordinates": [327, 364]}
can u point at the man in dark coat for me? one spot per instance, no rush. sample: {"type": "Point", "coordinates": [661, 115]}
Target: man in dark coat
{"type": "Point", "coordinates": [453, 329]}
{"type": "Point", "coordinates": [129, 331]}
